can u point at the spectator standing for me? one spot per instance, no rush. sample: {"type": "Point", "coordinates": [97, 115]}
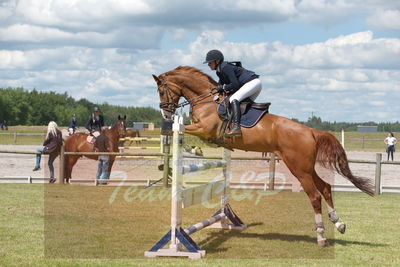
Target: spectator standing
{"type": "Point", "coordinates": [52, 146]}
{"type": "Point", "coordinates": [102, 145]}
{"type": "Point", "coordinates": [390, 142]}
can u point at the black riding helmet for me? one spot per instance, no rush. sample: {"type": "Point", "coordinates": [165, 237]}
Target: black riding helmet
{"type": "Point", "coordinates": [214, 55]}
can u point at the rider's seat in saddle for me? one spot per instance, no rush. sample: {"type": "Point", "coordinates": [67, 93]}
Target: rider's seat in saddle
{"type": "Point", "coordinates": [251, 111]}
{"type": "Point", "coordinates": [91, 138]}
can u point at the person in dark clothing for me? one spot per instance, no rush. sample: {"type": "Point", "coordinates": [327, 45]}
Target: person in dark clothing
{"type": "Point", "coordinates": [73, 124]}
{"type": "Point", "coordinates": [95, 122]}
{"type": "Point", "coordinates": [52, 146]}
{"type": "Point", "coordinates": [102, 145]}
{"type": "Point", "coordinates": [4, 125]}
{"type": "Point", "coordinates": [237, 81]}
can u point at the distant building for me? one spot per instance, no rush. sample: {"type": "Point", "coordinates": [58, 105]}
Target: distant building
{"type": "Point", "coordinates": [367, 129]}
{"type": "Point", "coordinates": [143, 126]}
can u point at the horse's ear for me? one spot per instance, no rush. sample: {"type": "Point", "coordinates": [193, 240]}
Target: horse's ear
{"type": "Point", "coordinates": [158, 81]}
{"type": "Point", "coordinates": [124, 117]}
{"type": "Point", "coordinates": [119, 117]}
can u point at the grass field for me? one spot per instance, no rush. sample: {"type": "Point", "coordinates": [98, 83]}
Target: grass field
{"type": "Point", "coordinates": [63, 225]}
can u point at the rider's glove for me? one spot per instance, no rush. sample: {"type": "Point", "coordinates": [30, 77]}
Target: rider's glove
{"type": "Point", "coordinates": [220, 89]}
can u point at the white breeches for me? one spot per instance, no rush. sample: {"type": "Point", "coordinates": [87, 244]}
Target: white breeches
{"type": "Point", "coordinates": [251, 89]}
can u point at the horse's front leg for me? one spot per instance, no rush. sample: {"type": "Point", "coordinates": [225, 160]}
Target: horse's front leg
{"type": "Point", "coordinates": [192, 128]}
{"type": "Point", "coordinates": [199, 130]}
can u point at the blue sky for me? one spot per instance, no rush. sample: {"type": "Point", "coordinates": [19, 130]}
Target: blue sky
{"type": "Point", "coordinates": [337, 59]}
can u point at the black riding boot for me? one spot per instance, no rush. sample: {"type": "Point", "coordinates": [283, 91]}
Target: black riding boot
{"type": "Point", "coordinates": [236, 120]}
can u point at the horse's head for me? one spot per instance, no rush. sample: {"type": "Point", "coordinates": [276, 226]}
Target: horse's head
{"type": "Point", "coordinates": [169, 94]}
{"type": "Point", "coordinates": [121, 126]}
{"type": "Point", "coordinates": [183, 81]}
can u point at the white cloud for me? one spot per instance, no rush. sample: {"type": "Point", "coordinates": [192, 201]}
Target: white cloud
{"type": "Point", "coordinates": [109, 52]}
{"type": "Point", "coordinates": [324, 12]}
{"type": "Point", "coordinates": [386, 19]}
{"type": "Point", "coordinates": [320, 77]}
{"type": "Point", "coordinates": [378, 103]}
{"type": "Point", "coordinates": [141, 24]}
{"type": "Point", "coordinates": [79, 14]}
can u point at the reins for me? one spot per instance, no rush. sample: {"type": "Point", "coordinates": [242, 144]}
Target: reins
{"type": "Point", "coordinates": [166, 104]}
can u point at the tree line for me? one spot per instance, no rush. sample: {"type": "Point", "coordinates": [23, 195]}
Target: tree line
{"type": "Point", "coordinates": [318, 123]}
{"type": "Point", "coordinates": [21, 107]}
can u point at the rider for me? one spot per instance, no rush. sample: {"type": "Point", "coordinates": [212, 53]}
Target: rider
{"type": "Point", "coordinates": [73, 124]}
{"type": "Point", "coordinates": [236, 81]}
{"type": "Point", "coordinates": [95, 122]}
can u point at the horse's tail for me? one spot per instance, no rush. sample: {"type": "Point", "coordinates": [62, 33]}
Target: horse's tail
{"type": "Point", "coordinates": [330, 154]}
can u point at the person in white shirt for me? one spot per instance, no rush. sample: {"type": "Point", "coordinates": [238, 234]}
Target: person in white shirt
{"type": "Point", "coordinates": [390, 141]}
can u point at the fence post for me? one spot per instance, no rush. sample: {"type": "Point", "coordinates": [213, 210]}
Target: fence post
{"type": "Point", "coordinates": [343, 138]}
{"type": "Point", "coordinates": [15, 138]}
{"type": "Point", "coordinates": [165, 145]}
{"type": "Point", "coordinates": [166, 150]}
{"type": "Point", "coordinates": [271, 184]}
{"type": "Point", "coordinates": [226, 156]}
{"type": "Point", "coordinates": [61, 178]}
{"type": "Point", "coordinates": [378, 185]}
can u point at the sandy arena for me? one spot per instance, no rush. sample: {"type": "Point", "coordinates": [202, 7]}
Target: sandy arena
{"type": "Point", "coordinates": [19, 165]}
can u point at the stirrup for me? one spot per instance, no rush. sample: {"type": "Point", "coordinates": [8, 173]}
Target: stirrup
{"type": "Point", "coordinates": [234, 132]}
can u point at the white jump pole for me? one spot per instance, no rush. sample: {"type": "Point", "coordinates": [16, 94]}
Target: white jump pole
{"type": "Point", "coordinates": [176, 203]}
{"type": "Point", "coordinates": [180, 242]}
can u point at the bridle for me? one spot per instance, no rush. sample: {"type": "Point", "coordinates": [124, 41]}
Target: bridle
{"type": "Point", "coordinates": [171, 106]}
{"type": "Point", "coordinates": [119, 127]}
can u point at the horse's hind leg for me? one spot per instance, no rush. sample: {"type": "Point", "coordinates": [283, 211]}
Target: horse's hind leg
{"type": "Point", "coordinates": [325, 189]}
{"type": "Point", "coordinates": [303, 171]}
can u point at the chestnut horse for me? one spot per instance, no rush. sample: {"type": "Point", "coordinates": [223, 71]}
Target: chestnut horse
{"type": "Point", "coordinates": [299, 146]}
{"type": "Point", "coordinates": [78, 143]}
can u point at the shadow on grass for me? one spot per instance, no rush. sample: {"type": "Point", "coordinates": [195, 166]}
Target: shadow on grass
{"type": "Point", "coordinates": [215, 240]}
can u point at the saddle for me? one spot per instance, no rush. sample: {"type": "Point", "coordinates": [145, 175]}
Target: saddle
{"type": "Point", "coordinates": [92, 138]}
{"type": "Point", "coordinates": [251, 113]}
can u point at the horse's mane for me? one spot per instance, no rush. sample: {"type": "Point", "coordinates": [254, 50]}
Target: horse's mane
{"type": "Point", "coordinates": [192, 71]}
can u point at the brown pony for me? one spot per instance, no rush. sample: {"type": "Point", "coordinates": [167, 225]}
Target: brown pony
{"type": "Point", "coordinates": [299, 146]}
{"type": "Point", "coordinates": [78, 143]}
{"type": "Point", "coordinates": [132, 133]}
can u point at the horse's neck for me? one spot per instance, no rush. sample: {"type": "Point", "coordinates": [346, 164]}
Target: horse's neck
{"type": "Point", "coordinates": [196, 91]}
{"type": "Point", "coordinates": [112, 133]}
{"type": "Point", "coordinates": [204, 113]}
{"type": "Point", "coordinates": [192, 87]}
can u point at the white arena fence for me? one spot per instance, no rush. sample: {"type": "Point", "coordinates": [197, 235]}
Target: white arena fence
{"type": "Point", "coordinates": [268, 185]}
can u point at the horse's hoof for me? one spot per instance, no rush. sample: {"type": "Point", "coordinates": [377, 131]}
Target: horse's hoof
{"type": "Point", "coordinates": [323, 243]}
{"type": "Point", "coordinates": [341, 228]}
